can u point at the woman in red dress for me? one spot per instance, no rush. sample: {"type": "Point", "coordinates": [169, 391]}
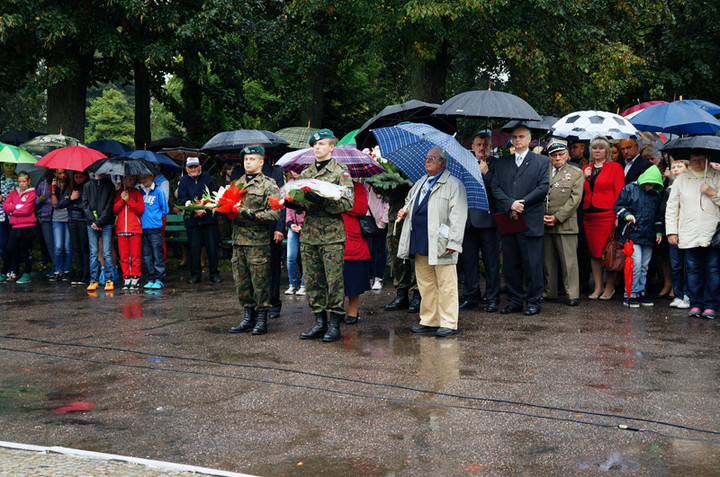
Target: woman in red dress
{"type": "Point", "coordinates": [604, 179]}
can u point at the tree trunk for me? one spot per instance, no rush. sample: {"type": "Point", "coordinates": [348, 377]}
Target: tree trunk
{"type": "Point", "coordinates": [312, 109]}
{"type": "Point", "coordinates": [66, 102]}
{"type": "Point", "coordinates": [429, 77]}
{"type": "Point", "coordinates": [142, 105]}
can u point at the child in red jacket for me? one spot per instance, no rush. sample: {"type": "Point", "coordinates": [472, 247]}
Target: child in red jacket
{"type": "Point", "coordinates": [20, 206]}
{"type": "Point", "coordinates": [128, 207]}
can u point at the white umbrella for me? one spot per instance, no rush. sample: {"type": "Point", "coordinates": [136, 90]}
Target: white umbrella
{"type": "Point", "coordinates": [585, 125]}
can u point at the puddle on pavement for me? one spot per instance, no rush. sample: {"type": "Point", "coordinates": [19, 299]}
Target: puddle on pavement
{"type": "Point", "coordinates": [616, 462]}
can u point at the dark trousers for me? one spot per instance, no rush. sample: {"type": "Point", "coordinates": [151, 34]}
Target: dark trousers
{"type": "Point", "coordinates": [17, 250]}
{"type": "Point", "coordinates": [152, 255]}
{"type": "Point", "coordinates": [483, 240]}
{"type": "Point", "coordinates": [80, 249]}
{"type": "Point", "coordinates": [209, 236]}
{"type": "Point", "coordinates": [378, 255]}
{"type": "Point", "coordinates": [522, 263]}
{"type": "Point", "coordinates": [703, 277]}
{"type": "Point", "coordinates": [276, 251]}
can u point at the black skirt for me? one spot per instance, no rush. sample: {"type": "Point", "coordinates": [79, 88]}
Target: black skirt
{"type": "Point", "coordinates": [356, 276]}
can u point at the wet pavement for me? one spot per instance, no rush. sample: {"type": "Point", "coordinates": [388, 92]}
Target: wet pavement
{"type": "Point", "coordinates": [157, 376]}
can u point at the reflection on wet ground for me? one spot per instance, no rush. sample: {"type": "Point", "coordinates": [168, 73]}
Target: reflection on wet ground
{"type": "Point", "coordinates": [158, 376]}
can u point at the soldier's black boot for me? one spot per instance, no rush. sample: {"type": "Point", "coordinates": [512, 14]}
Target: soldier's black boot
{"type": "Point", "coordinates": [415, 303]}
{"type": "Point", "coordinates": [261, 324]}
{"type": "Point", "coordinates": [400, 302]}
{"type": "Point", "coordinates": [319, 329]}
{"type": "Point", "coordinates": [333, 331]}
{"type": "Point", "coordinates": [247, 323]}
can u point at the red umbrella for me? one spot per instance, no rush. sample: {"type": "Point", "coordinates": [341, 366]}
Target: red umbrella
{"type": "Point", "coordinates": [73, 158]}
{"type": "Point", "coordinates": [628, 249]}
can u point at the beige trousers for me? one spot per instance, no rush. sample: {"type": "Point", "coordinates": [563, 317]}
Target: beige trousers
{"type": "Point", "coordinates": [438, 286]}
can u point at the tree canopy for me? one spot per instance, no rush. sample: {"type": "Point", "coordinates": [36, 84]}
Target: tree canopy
{"type": "Point", "coordinates": [229, 64]}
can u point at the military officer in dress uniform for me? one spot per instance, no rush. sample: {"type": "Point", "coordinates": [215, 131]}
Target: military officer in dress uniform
{"type": "Point", "coordinates": [322, 242]}
{"type": "Point", "coordinates": [561, 225]}
{"type": "Point", "coordinates": [251, 250]}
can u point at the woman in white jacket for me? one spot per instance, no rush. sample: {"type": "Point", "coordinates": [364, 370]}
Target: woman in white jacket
{"type": "Point", "coordinates": [692, 214]}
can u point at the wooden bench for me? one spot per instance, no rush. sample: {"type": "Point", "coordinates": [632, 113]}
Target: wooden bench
{"type": "Point", "coordinates": [175, 231]}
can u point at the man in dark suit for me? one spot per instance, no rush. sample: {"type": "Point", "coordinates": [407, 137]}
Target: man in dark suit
{"type": "Point", "coordinates": [520, 184]}
{"type": "Point", "coordinates": [634, 164]}
{"type": "Point", "coordinates": [481, 236]}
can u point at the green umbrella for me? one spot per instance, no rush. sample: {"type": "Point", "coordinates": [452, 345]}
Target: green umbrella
{"type": "Point", "coordinates": [297, 136]}
{"type": "Point", "coordinates": [349, 138]}
{"type": "Point", "coordinates": [15, 155]}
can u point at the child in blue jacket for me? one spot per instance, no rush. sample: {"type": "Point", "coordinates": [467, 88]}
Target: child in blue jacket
{"type": "Point", "coordinates": [639, 205]}
{"type": "Point", "coordinates": [156, 208]}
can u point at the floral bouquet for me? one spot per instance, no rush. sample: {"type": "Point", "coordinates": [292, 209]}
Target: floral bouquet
{"type": "Point", "coordinates": [295, 192]}
{"type": "Point", "coordinates": [226, 200]}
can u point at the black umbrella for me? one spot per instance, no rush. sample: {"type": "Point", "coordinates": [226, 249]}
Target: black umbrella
{"type": "Point", "coordinates": [122, 166]}
{"type": "Point", "coordinates": [168, 142]}
{"type": "Point", "coordinates": [540, 127]}
{"type": "Point", "coordinates": [412, 111]}
{"type": "Point", "coordinates": [18, 137]}
{"type": "Point", "coordinates": [681, 147]}
{"type": "Point", "coordinates": [487, 104]}
{"type": "Point", "coordinates": [235, 141]}
{"type": "Point", "coordinates": [110, 147]}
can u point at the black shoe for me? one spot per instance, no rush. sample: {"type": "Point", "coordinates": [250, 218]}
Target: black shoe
{"type": "Point", "coordinates": [443, 332]}
{"type": "Point", "coordinates": [247, 324]}
{"type": "Point", "coordinates": [351, 320]}
{"type": "Point", "coordinates": [215, 278]}
{"type": "Point", "coordinates": [423, 329]}
{"type": "Point", "coordinates": [274, 312]}
{"type": "Point", "coordinates": [261, 324]}
{"type": "Point", "coordinates": [491, 308]}
{"type": "Point", "coordinates": [531, 310]}
{"type": "Point", "coordinates": [318, 330]}
{"type": "Point", "coordinates": [194, 280]}
{"type": "Point", "coordinates": [415, 303]}
{"type": "Point", "coordinates": [469, 304]}
{"type": "Point", "coordinates": [511, 309]}
{"type": "Point", "coordinates": [400, 302]}
{"type": "Point", "coordinates": [573, 302]}
{"type": "Point", "coordinates": [333, 330]}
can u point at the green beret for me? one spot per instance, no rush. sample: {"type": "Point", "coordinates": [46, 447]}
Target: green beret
{"type": "Point", "coordinates": [254, 149]}
{"type": "Point", "coordinates": [321, 134]}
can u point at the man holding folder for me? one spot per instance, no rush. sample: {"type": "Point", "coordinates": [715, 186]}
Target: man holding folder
{"type": "Point", "coordinates": [520, 184]}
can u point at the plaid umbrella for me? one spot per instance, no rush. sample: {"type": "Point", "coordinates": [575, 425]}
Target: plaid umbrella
{"type": "Point", "coordinates": [15, 155]}
{"type": "Point", "coordinates": [405, 146]}
{"type": "Point", "coordinates": [358, 163]}
{"type": "Point", "coordinates": [297, 136]}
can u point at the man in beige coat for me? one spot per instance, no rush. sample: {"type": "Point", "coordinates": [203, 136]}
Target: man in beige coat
{"type": "Point", "coordinates": [561, 227]}
{"type": "Point", "coordinates": [435, 213]}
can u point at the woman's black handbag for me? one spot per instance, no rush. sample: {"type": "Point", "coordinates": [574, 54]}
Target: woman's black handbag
{"type": "Point", "coordinates": [368, 227]}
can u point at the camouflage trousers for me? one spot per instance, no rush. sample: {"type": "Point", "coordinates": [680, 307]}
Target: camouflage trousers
{"type": "Point", "coordinates": [403, 271]}
{"type": "Point", "coordinates": [324, 284]}
{"type": "Point", "coordinates": [250, 267]}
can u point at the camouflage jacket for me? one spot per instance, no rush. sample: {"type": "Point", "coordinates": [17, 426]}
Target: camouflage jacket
{"type": "Point", "coordinates": [323, 222]}
{"type": "Point", "coordinates": [255, 200]}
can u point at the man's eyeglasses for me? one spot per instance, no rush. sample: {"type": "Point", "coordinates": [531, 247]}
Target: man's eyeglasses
{"type": "Point", "coordinates": [433, 158]}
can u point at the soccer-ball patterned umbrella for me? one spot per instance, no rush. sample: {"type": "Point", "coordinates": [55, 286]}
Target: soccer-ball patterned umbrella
{"type": "Point", "coordinates": [585, 125]}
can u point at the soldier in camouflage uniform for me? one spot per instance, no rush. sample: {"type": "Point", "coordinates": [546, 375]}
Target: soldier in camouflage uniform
{"type": "Point", "coordinates": [322, 242]}
{"type": "Point", "coordinates": [251, 250]}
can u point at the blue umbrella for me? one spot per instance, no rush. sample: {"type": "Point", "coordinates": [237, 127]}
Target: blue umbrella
{"type": "Point", "coordinates": [110, 147]}
{"type": "Point", "coordinates": [406, 145]}
{"type": "Point", "coordinates": [164, 163]}
{"type": "Point", "coordinates": [711, 108]}
{"type": "Point", "coordinates": [678, 117]}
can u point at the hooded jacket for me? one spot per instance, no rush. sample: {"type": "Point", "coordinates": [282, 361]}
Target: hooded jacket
{"type": "Point", "coordinates": [156, 207]}
{"type": "Point", "coordinates": [690, 214]}
{"type": "Point", "coordinates": [97, 201]}
{"type": "Point", "coordinates": [21, 208]}
{"type": "Point", "coordinates": [645, 206]}
{"type": "Point", "coordinates": [128, 212]}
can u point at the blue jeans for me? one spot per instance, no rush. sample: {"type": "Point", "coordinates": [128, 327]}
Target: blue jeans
{"type": "Point", "coordinates": [677, 265]}
{"type": "Point", "coordinates": [63, 248]}
{"type": "Point", "coordinates": [641, 259]}
{"type": "Point", "coordinates": [152, 255]}
{"type": "Point", "coordinates": [94, 238]}
{"type": "Point", "coordinates": [703, 277]}
{"type": "Point", "coordinates": [378, 255]}
{"type": "Point", "coordinates": [293, 250]}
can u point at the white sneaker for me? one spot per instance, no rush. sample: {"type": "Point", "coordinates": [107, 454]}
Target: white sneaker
{"type": "Point", "coordinates": [377, 284]}
{"type": "Point", "coordinates": [676, 302]}
{"type": "Point", "coordinates": [300, 291]}
{"type": "Point", "coordinates": [685, 304]}
{"type": "Point", "coordinates": [290, 290]}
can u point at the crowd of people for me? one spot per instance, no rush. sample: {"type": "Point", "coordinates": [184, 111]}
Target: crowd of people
{"type": "Point", "coordinates": [552, 213]}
